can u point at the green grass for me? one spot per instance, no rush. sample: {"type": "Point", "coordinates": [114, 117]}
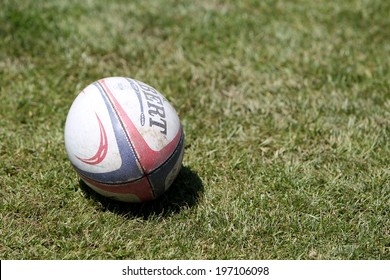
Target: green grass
{"type": "Point", "coordinates": [285, 106]}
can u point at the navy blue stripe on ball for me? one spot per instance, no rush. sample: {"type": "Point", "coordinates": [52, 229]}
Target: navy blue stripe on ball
{"type": "Point", "coordinates": [130, 169]}
{"type": "Point", "coordinates": [159, 176]}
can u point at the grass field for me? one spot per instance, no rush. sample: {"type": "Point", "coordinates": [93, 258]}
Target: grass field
{"type": "Point", "coordinates": [285, 107]}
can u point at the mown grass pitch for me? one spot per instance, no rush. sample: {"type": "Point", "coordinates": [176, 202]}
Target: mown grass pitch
{"type": "Point", "coordinates": [285, 106]}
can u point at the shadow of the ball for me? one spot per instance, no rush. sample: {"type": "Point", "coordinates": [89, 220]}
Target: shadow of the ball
{"type": "Point", "coordinates": [184, 193]}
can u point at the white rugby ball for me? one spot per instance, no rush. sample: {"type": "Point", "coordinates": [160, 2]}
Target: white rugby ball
{"type": "Point", "coordinates": [124, 139]}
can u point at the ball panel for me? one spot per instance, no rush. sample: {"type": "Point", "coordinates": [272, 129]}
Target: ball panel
{"type": "Point", "coordinates": [136, 191]}
{"type": "Point", "coordinates": [88, 130]}
{"type": "Point", "coordinates": [150, 155]}
{"type": "Point", "coordinates": [162, 178]}
{"type": "Point", "coordinates": [120, 163]}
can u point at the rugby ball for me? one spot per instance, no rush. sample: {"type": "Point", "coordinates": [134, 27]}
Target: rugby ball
{"type": "Point", "coordinates": [124, 139]}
